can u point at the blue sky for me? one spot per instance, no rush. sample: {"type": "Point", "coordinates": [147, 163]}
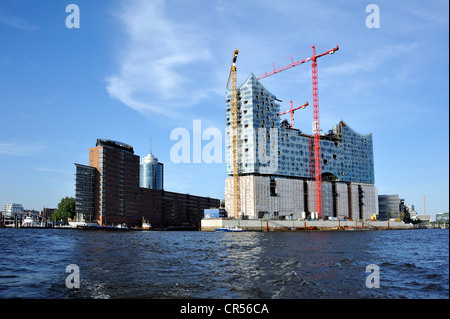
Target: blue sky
{"type": "Point", "coordinates": [137, 70]}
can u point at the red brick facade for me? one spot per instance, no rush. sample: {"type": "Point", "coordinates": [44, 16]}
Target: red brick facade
{"type": "Point", "coordinates": [119, 199]}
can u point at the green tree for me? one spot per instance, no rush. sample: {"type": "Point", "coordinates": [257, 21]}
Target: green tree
{"type": "Point", "coordinates": [65, 210]}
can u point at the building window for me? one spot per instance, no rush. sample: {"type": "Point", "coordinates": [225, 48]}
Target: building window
{"type": "Point", "coordinates": [273, 187]}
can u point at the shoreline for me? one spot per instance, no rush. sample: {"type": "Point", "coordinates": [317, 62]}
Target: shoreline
{"type": "Point", "coordinates": [210, 225]}
{"type": "Point", "coordinates": [303, 225]}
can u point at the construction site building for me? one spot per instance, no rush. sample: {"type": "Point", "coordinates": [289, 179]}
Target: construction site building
{"type": "Point", "coordinates": [276, 163]}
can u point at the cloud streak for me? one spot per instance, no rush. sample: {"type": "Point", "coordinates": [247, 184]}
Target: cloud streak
{"type": "Point", "coordinates": [17, 23]}
{"type": "Point", "coordinates": [49, 170]}
{"type": "Point", "coordinates": [158, 62]}
{"type": "Point", "coordinates": [20, 149]}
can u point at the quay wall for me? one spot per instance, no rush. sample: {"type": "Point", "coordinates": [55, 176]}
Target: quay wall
{"type": "Point", "coordinates": [289, 225]}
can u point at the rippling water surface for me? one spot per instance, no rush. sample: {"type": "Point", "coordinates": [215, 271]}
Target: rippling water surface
{"type": "Point", "coordinates": [413, 264]}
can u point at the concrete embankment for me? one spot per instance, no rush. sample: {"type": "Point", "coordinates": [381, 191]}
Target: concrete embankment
{"type": "Point", "coordinates": [301, 225]}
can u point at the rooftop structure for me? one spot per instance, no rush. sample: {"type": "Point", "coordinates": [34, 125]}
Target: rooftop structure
{"type": "Point", "coordinates": [114, 144]}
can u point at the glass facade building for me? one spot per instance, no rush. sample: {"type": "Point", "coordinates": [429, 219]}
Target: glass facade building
{"type": "Point", "coordinates": [389, 206]}
{"type": "Point", "coordinates": [266, 146]}
{"type": "Point", "coordinates": [277, 163]}
{"type": "Point", "coordinates": [442, 218]}
{"type": "Point", "coordinates": [84, 192]}
{"type": "Point", "coordinates": [151, 173]}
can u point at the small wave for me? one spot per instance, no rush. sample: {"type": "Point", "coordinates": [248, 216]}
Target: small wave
{"type": "Point", "coordinates": [406, 266]}
{"type": "Point", "coordinates": [433, 287]}
{"type": "Point", "coordinates": [95, 290]}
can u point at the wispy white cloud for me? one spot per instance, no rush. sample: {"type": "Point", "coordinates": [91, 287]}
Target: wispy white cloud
{"type": "Point", "coordinates": [367, 62]}
{"type": "Point", "coordinates": [16, 22]}
{"type": "Point", "coordinates": [21, 149]}
{"type": "Point", "coordinates": [49, 170]}
{"type": "Point", "coordinates": [160, 60]}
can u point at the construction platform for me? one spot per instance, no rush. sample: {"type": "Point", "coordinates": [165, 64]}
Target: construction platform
{"type": "Point", "coordinates": [302, 225]}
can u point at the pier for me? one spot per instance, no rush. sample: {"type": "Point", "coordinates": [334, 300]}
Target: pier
{"type": "Point", "coordinates": [302, 225]}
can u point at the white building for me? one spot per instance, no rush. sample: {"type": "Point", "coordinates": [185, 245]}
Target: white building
{"type": "Point", "coordinates": [9, 210]}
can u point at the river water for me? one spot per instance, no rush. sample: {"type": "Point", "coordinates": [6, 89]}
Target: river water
{"type": "Point", "coordinates": [413, 264]}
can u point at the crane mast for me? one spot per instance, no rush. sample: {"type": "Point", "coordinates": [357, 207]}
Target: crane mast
{"type": "Point", "coordinates": [316, 121]}
{"type": "Point", "coordinates": [234, 116]}
{"type": "Point", "coordinates": [316, 131]}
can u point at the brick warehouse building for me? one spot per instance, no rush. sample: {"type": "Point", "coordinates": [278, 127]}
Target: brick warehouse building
{"type": "Point", "coordinates": [108, 192]}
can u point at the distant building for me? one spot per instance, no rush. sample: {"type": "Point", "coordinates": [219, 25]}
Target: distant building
{"type": "Point", "coordinates": [85, 192]}
{"type": "Point", "coordinates": [388, 206]}
{"type": "Point", "coordinates": [424, 218]}
{"type": "Point", "coordinates": [412, 212]}
{"type": "Point", "coordinates": [117, 181]}
{"type": "Point", "coordinates": [47, 212]}
{"type": "Point", "coordinates": [9, 210]}
{"type": "Point", "coordinates": [151, 173]}
{"type": "Point", "coordinates": [442, 218]}
{"type": "Point", "coordinates": [108, 191]}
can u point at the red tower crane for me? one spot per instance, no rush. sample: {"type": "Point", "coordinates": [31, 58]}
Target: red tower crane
{"type": "Point", "coordinates": [292, 110]}
{"type": "Point", "coordinates": [316, 122]}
